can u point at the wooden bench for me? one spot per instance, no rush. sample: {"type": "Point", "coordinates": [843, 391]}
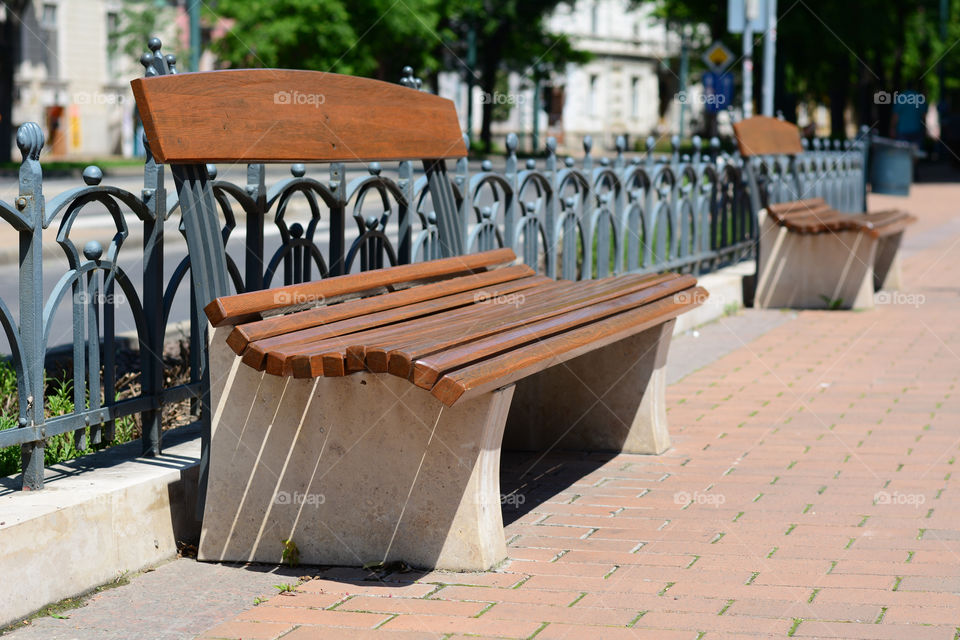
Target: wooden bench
{"type": "Point", "coordinates": [362, 416]}
{"type": "Point", "coordinates": [811, 255]}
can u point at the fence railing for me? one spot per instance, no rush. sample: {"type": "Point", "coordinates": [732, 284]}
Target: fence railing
{"type": "Point", "coordinates": [568, 218]}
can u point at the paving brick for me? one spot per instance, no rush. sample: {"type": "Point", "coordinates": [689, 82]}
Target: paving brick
{"type": "Point", "coordinates": [247, 631]}
{"type": "Point", "coordinates": [476, 626]}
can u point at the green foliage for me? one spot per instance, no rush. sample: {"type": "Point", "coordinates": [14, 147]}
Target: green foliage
{"type": "Point", "coordinates": [59, 402]}
{"type": "Point", "coordinates": [138, 23]}
{"type": "Point", "coordinates": [291, 554]}
{"type": "Point", "coordinates": [369, 38]}
{"type": "Point", "coordinates": [286, 588]}
{"type": "Point", "coordinates": [841, 53]}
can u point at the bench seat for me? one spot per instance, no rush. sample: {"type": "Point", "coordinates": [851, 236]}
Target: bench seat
{"type": "Point", "coordinates": [814, 215]}
{"type": "Point", "coordinates": [392, 394]}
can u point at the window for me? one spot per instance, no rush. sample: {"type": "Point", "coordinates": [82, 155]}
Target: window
{"type": "Point", "coordinates": [594, 17]}
{"type": "Point", "coordinates": [49, 16]}
{"type": "Point", "coordinates": [113, 43]}
{"type": "Point", "coordinates": [635, 97]}
{"type": "Point", "coordinates": [592, 97]}
{"type": "Point", "coordinates": [49, 40]}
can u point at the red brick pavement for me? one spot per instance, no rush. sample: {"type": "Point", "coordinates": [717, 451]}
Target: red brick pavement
{"type": "Point", "coordinates": [810, 492]}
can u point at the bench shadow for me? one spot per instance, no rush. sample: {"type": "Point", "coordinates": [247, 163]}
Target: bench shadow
{"type": "Point", "coordinates": [531, 478]}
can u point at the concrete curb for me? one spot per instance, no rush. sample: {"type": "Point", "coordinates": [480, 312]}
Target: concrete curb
{"type": "Point", "coordinates": [100, 516]}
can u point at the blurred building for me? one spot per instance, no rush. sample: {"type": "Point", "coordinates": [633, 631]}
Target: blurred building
{"type": "Point", "coordinates": [73, 80]}
{"type": "Point", "coordinates": [627, 88]}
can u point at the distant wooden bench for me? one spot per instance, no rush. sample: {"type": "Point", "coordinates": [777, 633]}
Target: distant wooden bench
{"type": "Point", "coordinates": [810, 254]}
{"type": "Point", "coordinates": [362, 416]}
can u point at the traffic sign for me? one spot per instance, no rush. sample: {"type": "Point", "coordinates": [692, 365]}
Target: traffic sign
{"type": "Point", "coordinates": [717, 91]}
{"type": "Point", "coordinates": [718, 57]}
{"type": "Point", "coordinates": [737, 11]}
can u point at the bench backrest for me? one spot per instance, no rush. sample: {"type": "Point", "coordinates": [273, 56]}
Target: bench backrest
{"type": "Point", "coordinates": [766, 136]}
{"type": "Point", "coordinates": [763, 136]}
{"type": "Point", "coordinates": [278, 115]}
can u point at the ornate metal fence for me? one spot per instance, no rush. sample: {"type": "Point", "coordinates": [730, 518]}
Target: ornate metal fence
{"type": "Point", "coordinates": [577, 219]}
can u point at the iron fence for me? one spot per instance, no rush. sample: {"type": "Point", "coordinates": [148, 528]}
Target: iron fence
{"type": "Point", "coordinates": [568, 218]}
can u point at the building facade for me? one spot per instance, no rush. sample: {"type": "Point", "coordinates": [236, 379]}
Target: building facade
{"type": "Point", "coordinates": [627, 88]}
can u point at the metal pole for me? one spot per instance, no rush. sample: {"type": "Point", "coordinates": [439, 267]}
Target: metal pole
{"type": "Point", "coordinates": [684, 67]}
{"type": "Point", "coordinates": [194, 10]}
{"type": "Point", "coordinates": [536, 114]}
{"type": "Point", "coordinates": [471, 63]}
{"type": "Point", "coordinates": [769, 57]}
{"type": "Point", "coordinates": [749, 7]}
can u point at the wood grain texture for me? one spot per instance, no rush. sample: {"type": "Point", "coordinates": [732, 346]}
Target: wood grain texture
{"type": "Point", "coordinates": [509, 367]}
{"type": "Point", "coordinates": [280, 115]}
{"type": "Point", "coordinates": [400, 360]}
{"type": "Point", "coordinates": [279, 331]}
{"type": "Point", "coordinates": [428, 370]}
{"type": "Point", "coordinates": [763, 135]}
{"type": "Point", "coordinates": [306, 360]}
{"type": "Point", "coordinates": [245, 307]}
{"type": "Point", "coordinates": [282, 350]}
{"type": "Point", "coordinates": [815, 216]}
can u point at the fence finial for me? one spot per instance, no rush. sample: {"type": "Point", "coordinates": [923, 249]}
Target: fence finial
{"type": "Point", "coordinates": [30, 140]}
{"type": "Point", "coordinates": [409, 80]}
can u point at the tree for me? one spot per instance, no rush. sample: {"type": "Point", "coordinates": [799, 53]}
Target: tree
{"type": "Point", "coordinates": [839, 53]}
{"type": "Point", "coordinates": [379, 37]}
{"type": "Point", "coordinates": [9, 59]}
{"type": "Point", "coordinates": [511, 35]}
{"type": "Point", "coordinates": [374, 38]}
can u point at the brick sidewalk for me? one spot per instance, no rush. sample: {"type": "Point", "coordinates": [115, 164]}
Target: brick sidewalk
{"type": "Point", "coordinates": [809, 492]}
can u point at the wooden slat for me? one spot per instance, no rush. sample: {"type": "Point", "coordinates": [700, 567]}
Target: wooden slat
{"type": "Point", "coordinates": [762, 135]}
{"type": "Point", "coordinates": [306, 360]}
{"type": "Point", "coordinates": [286, 326]}
{"type": "Point", "coordinates": [245, 307]}
{"type": "Point", "coordinates": [279, 115]}
{"type": "Point", "coordinates": [399, 360]}
{"type": "Point", "coordinates": [512, 366]}
{"type": "Point", "coordinates": [274, 355]}
{"type": "Point", "coordinates": [427, 371]}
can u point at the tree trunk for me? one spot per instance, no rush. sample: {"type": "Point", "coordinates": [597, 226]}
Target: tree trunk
{"type": "Point", "coordinates": [9, 58]}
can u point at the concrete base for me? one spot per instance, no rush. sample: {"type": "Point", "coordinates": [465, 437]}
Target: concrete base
{"type": "Point", "coordinates": [886, 268]}
{"type": "Point", "coordinates": [812, 271]}
{"type": "Point", "coordinates": [611, 399]}
{"type": "Point", "coordinates": [97, 518]}
{"type": "Point", "coordinates": [369, 468]}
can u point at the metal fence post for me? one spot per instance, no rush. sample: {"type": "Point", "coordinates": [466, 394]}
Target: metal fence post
{"type": "Point", "coordinates": [154, 196]}
{"type": "Point", "coordinates": [31, 205]}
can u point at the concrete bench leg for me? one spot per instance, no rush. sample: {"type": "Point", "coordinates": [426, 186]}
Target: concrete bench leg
{"type": "Point", "coordinates": [808, 271]}
{"type": "Point", "coordinates": [611, 399]}
{"type": "Point", "coordinates": [886, 268]}
{"type": "Point", "coordinates": [359, 469]}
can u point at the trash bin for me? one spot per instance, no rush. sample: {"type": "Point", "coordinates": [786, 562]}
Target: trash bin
{"type": "Point", "coordinates": [891, 166]}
